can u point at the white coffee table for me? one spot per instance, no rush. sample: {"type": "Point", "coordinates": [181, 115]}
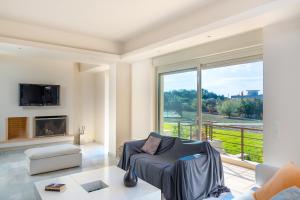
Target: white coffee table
{"type": "Point", "coordinates": [112, 176]}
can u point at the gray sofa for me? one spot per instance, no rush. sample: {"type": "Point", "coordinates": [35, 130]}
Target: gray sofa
{"type": "Point", "coordinates": [182, 169]}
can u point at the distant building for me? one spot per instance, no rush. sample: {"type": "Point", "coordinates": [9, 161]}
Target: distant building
{"type": "Point", "coordinates": [251, 94]}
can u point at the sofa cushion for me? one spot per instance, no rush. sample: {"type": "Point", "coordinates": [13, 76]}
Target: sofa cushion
{"type": "Point", "coordinates": [165, 144]}
{"type": "Point", "coordinates": [151, 145]}
{"type": "Point", "coordinates": [287, 176]}
{"type": "Point", "coordinates": [51, 151]}
{"type": "Point", "coordinates": [162, 165]}
{"type": "Point", "coordinates": [180, 149]}
{"type": "Point", "coordinates": [150, 168]}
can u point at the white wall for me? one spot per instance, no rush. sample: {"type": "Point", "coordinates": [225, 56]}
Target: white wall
{"type": "Point", "coordinates": [100, 108]}
{"type": "Point", "coordinates": [113, 114]}
{"type": "Point", "coordinates": [143, 99]}
{"type": "Point", "coordinates": [88, 105]}
{"type": "Point", "coordinates": [281, 92]}
{"type": "Point", "coordinates": [112, 147]}
{"type": "Point", "coordinates": [77, 92]}
{"type": "Point", "coordinates": [15, 70]}
{"type": "Point", "coordinates": [106, 111]}
{"type": "Point", "coordinates": [119, 105]}
{"type": "Point", "coordinates": [123, 103]}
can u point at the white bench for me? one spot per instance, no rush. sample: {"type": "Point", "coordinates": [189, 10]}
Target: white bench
{"type": "Point", "coordinates": [51, 158]}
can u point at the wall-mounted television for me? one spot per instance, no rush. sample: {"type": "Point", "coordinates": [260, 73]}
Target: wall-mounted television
{"type": "Point", "coordinates": [39, 95]}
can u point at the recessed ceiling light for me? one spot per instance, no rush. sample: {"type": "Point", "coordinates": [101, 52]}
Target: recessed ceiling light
{"type": "Point", "coordinates": [19, 48]}
{"type": "Point", "coordinates": [209, 36]}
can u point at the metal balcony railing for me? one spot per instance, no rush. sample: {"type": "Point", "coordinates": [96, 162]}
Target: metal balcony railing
{"type": "Point", "coordinates": [245, 143]}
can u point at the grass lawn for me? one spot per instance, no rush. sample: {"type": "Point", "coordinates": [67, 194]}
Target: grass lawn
{"type": "Point", "coordinates": [253, 141]}
{"type": "Point", "coordinates": [253, 144]}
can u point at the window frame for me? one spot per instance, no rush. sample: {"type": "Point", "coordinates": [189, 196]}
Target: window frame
{"type": "Point", "coordinates": [198, 65]}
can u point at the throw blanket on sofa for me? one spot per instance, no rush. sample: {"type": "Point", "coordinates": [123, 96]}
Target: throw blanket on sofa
{"type": "Point", "coordinates": [182, 170]}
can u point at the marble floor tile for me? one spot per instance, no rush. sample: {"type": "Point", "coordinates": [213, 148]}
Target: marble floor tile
{"type": "Point", "coordinates": [17, 184]}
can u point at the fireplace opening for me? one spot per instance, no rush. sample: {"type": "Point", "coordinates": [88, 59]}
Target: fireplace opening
{"type": "Point", "coordinates": [46, 126]}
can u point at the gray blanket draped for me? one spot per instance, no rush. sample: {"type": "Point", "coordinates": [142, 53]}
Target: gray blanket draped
{"type": "Point", "coordinates": [182, 170]}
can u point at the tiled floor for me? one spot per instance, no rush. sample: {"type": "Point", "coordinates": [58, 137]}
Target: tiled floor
{"type": "Point", "coordinates": [15, 183]}
{"type": "Point", "coordinates": [238, 179]}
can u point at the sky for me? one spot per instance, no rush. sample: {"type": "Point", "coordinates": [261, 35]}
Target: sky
{"type": "Point", "coordinates": [227, 81]}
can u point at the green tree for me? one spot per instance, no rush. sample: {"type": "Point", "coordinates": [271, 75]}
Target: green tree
{"type": "Point", "coordinates": [186, 100]}
{"type": "Point", "coordinates": [180, 100]}
{"type": "Point", "coordinates": [211, 95]}
{"type": "Point", "coordinates": [228, 107]}
{"type": "Point", "coordinates": [259, 108]}
{"type": "Point", "coordinates": [211, 105]}
{"type": "Point", "coordinates": [251, 108]}
{"type": "Point", "coordinates": [176, 104]}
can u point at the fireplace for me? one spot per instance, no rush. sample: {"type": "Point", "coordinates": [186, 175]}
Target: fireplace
{"type": "Point", "coordinates": [50, 126]}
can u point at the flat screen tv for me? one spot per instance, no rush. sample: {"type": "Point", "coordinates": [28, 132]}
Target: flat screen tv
{"type": "Point", "coordinates": [39, 95]}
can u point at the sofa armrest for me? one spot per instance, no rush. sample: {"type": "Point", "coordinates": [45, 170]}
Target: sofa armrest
{"type": "Point", "coordinates": [130, 148]}
{"type": "Point", "coordinates": [196, 175]}
{"type": "Point", "coordinates": [134, 146]}
{"type": "Point", "coordinates": [263, 173]}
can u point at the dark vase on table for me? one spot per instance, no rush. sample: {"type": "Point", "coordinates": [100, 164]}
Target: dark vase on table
{"type": "Point", "coordinates": [130, 178]}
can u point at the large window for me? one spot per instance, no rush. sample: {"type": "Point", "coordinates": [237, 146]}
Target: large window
{"type": "Point", "coordinates": [221, 104]}
{"type": "Point", "coordinates": [179, 105]}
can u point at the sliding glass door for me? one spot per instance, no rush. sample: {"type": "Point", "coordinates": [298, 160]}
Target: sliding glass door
{"type": "Point", "coordinates": [221, 103]}
{"type": "Point", "coordinates": [232, 109]}
{"type": "Point", "coordinates": [178, 104]}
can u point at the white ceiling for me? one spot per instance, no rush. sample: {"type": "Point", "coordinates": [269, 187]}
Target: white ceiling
{"type": "Point", "coordinates": [117, 20]}
{"type": "Point", "coordinates": [134, 30]}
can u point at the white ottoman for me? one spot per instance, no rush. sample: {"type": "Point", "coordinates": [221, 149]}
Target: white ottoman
{"type": "Point", "coordinates": [51, 158]}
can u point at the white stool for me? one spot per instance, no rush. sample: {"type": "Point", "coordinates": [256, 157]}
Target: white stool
{"type": "Point", "coordinates": [51, 158]}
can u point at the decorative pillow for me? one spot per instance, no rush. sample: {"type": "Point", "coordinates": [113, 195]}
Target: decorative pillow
{"type": "Point", "coordinates": [151, 145]}
{"type": "Point", "coordinates": [292, 193]}
{"type": "Point", "coordinates": [287, 176]}
{"type": "Point", "coordinates": [166, 143]}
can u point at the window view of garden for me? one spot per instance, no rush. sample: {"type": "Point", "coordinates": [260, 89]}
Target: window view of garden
{"type": "Point", "coordinates": [231, 113]}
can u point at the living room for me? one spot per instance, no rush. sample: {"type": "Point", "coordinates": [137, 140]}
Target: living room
{"type": "Point", "coordinates": [82, 96]}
